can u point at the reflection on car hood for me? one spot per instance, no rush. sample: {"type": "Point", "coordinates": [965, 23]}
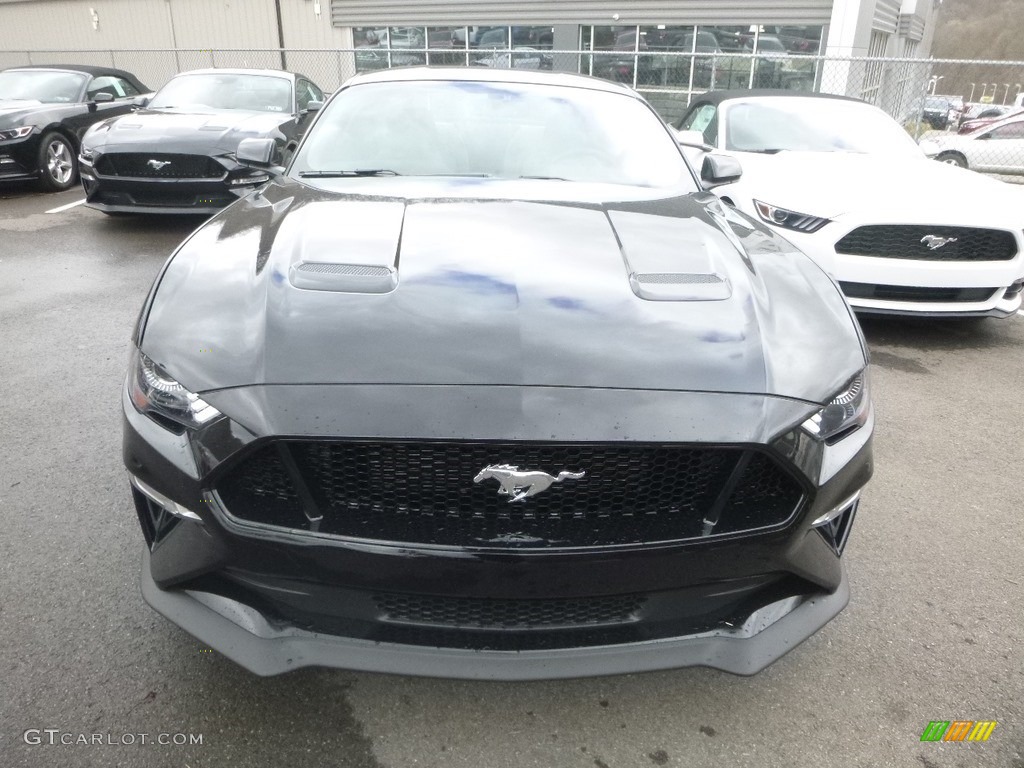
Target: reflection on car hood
{"type": "Point", "coordinates": [831, 184]}
{"type": "Point", "coordinates": [172, 131]}
{"type": "Point", "coordinates": [485, 289]}
{"type": "Point", "coordinates": [12, 111]}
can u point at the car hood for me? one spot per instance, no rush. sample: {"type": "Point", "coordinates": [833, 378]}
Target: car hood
{"type": "Point", "coordinates": [916, 189]}
{"type": "Point", "coordinates": [491, 284]}
{"type": "Point", "coordinates": [173, 131]}
{"type": "Point", "coordinates": [14, 111]}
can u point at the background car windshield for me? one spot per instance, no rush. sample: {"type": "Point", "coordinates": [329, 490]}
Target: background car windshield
{"type": "Point", "coordinates": [256, 93]}
{"type": "Point", "coordinates": [494, 129]}
{"type": "Point", "coordinates": [814, 125]}
{"type": "Point", "coordinates": [44, 86]}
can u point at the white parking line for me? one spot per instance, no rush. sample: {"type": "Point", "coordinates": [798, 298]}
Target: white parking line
{"type": "Point", "coordinates": [1020, 312]}
{"type": "Point", "coordinates": [65, 207]}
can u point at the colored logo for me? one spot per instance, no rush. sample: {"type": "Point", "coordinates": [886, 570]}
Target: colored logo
{"type": "Point", "coordinates": [958, 730]}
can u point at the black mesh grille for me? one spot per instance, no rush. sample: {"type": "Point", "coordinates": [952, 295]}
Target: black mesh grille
{"type": "Point", "coordinates": [159, 166]}
{"type": "Point", "coordinates": [424, 492]}
{"type": "Point", "coordinates": [507, 614]}
{"type": "Point", "coordinates": [897, 241]}
{"type": "Point", "coordinates": [914, 293]}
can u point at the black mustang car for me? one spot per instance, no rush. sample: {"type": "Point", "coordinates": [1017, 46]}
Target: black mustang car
{"type": "Point", "coordinates": [45, 110]}
{"type": "Point", "coordinates": [485, 385]}
{"type": "Point", "coordinates": [176, 155]}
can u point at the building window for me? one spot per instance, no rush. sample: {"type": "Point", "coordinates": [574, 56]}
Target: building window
{"type": "Point", "coordinates": [874, 67]}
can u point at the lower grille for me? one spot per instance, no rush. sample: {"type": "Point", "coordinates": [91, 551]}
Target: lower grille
{"type": "Point", "coordinates": [914, 293]}
{"type": "Point", "coordinates": [159, 166]}
{"type": "Point", "coordinates": [424, 492]}
{"type": "Point", "coordinates": [468, 613]}
{"type": "Point", "coordinates": [164, 198]}
{"type": "Point", "coordinates": [897, 241]}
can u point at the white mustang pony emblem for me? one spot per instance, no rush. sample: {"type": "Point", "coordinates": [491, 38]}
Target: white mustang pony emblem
{"type": "Point", "coordinates": [934, 241]}
{"type": "Point", "coordinates": [520, 485]}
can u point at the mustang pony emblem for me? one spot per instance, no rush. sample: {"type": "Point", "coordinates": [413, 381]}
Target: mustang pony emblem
{"type": "Point", "coordinates": [520, 485]}
{"type": "Point", "coordinates": [934, 241]}
{"type": "Point", "coordinates": [156, 165]}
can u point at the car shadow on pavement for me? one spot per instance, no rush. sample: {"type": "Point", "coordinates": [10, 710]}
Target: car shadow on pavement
{"type": "Point", "coordinates": [137, 224]}
{"type": "Point", "coordinates": [943, 333]}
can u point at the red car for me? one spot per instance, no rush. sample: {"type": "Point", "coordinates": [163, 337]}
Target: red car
{"type": "Point", "coordinates": [986, 117]}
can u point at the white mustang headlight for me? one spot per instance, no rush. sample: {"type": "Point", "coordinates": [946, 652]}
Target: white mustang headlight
{"type": "Point", "coordinates": [781, 217]}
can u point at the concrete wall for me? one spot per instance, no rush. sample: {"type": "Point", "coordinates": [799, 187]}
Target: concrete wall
{"type": "Point", "coordinates": [126, 31]}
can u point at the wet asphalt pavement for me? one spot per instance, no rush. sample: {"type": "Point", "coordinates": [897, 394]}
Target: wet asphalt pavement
{"type": "Point", "coordinates": [934, 630]}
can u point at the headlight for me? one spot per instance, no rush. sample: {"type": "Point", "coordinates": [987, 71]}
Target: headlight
{"type": "Point", "coordinates": [846, 412]}
{"type": "Point", "coordinates": [253, 179]}
{"type": "Point", "coordinates": [16, 133]}
{"type": "Point", "coordinates": [780, 217]}
{"type": "Point", "coordinates": [160, 397]}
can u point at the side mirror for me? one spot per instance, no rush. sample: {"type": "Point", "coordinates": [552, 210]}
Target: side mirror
{"type": "Point", "coordinates": [314, 106]}
{"type": "Point", "coordinates": [256, 153]}
{"type": "Point", "coordinates": [719, 169]}
{"type": "Point", "coordinates": [140, 101]}
{"type": "Point", "coordinates": [693, 139]}
{"type": "Point", "coordinates": [103, 97]}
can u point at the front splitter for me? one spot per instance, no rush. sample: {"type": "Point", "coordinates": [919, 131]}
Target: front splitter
{"type": "Point", "coordinates": [243, 635]}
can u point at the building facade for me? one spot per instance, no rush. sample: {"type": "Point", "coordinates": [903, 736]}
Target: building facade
{"type": "Point", "coordinates": [667, 49]}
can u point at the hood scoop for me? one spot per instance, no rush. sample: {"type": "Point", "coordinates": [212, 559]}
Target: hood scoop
{"type": "Point", "coordinates": [680, 286]}
{"type": "Point", "coordinates": [346, 247]}
{"type": "Point", "coordinates": [670, 258]}
{"type": "Point", "coordinates": [348, 278]}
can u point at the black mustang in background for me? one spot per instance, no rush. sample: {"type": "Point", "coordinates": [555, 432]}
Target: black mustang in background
{"type": "Point", "coordinates": [177, 154]}
{"type": "Point", "coordinates": [44, 111]}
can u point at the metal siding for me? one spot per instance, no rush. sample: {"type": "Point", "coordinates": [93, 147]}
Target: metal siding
{"type": "Point", "coordinates": [887, 13]}
{"type": "Point", "coordinates": [911, 26]}
{"type": "Point", "coordinates": [123, 24]}
{"type": "Point", "coordinates": [328, 67]}
{"type": "Point", "coordinates": [370, 13]}
{"type": "Point", "coordinates": [225, 24]}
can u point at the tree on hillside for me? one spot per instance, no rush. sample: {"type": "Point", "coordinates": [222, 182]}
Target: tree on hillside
{"type": "Point", "coordinates": [980, 29]}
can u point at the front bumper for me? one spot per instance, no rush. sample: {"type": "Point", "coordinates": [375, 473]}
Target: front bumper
{"type": "Point", "coordinates": [244, 635]}
{"type": "Point", "coordinates": [19, 158]}
{"type": "Point", "coordinates": [275, 600]}
{"type": "Point", "coordinates": [123, 194]}
{"type": "Point", "coordinates": [869, 282]}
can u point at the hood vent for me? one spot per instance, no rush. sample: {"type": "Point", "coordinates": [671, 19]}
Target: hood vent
{"type": "Point", "coordinates": [679, 286]}
{"type": "Point", "coordinates": [344, 246]}
{"type": "Point", "coordinates": [346, 278]}
{"type": "Point", "coordinates": [671, 258]}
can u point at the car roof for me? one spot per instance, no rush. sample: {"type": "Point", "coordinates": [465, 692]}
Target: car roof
{"type": "Point", "coordinates": [232, 71]}
{"type": "Point", "coordinates": [717, 97]}
{"type": "Point", "coordinates": [85, 69]}
{"type": "Point", "coordinates": [1014, 117]}
{"type": "Point", "coordinates": [488, 75]}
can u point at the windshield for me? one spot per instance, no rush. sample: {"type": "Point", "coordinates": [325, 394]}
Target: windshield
{"type": "Point", "coordinates": [494, 130]}
{"type": "Point", "coordinates": [41, 85]}
{"type": "Point", "coordinates": [770, 44]}
{"type": "Point", "coordinates": [814, 125]}
{"type": "Point", "coordinates": [216, 90]}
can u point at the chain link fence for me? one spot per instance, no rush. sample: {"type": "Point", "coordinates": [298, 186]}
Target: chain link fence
{"type": "Point", "coordinates": [942, 102]}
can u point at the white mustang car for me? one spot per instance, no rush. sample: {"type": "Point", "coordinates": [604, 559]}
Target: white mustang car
{"type": "Point", "coordinates": [846, 184]}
